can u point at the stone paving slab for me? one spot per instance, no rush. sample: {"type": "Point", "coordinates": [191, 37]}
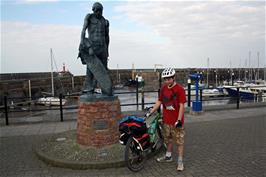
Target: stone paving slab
{"type": "Point", "coordinates": [57, 127]}
{"type": "Point", "coordinates": [228, 147]}
{"type": "Point", "coordinates": [37, 129]}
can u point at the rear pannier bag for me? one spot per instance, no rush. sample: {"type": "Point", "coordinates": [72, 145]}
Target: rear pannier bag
{"type": "Point", "coordinates": [135, 126]}
{"type": "Point", "coordinates": [132, 124]}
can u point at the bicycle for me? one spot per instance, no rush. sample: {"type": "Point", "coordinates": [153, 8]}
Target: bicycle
{"type": "Point", "coordinates": [142, 137]}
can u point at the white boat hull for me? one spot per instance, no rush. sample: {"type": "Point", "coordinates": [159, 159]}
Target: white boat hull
{"type": "Point", "coordinates": [50, 101]}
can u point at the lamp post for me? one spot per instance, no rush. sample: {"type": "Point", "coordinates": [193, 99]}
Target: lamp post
{"type": "Point", "coordinates": [208, 63]}
{"type": "Point", "coordinates": [232, 78]}
{"type": "Point", "coordinates": [117, 78]}
{"type": "Point", "coordinates": [228, 77]}
{"type": "Point", "coordinates": [189, 92]}
{"type": "Point", "coordinates": [215, 78]}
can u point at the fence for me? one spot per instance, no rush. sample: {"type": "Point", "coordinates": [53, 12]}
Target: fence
{"type": "Point", "coordinates": [7, 107]}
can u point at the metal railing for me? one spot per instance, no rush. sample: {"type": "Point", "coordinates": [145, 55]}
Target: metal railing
{"type": "Point", "coordinates": [6, 107]}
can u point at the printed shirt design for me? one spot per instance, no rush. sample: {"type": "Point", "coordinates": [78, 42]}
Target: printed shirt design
{"type": "Point", "coordinates": [171, 98]}
{"type": "Point", "coordinates": [169, 102]}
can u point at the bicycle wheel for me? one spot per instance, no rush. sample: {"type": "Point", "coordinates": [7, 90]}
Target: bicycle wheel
{"type": "Point", "coordinates": [134, 157]}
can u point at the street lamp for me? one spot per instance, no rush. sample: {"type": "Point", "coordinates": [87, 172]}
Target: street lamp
{"type": "Point", "coordinates": [232, 78]}
{"type": "Point", "coordinates": [215, 77]}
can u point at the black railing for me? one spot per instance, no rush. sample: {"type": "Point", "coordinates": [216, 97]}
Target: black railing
{"type": "Point", "coordinates": [61, 107]}
{"type": "Point", "coordinates": [6, 107]}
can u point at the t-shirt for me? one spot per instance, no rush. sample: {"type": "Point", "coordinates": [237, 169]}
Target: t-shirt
{"type": "Point", "coordinates": [171, 98]}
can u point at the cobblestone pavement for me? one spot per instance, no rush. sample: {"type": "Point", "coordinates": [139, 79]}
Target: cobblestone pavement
{"type": "Point", "coordinates": [230, 147]}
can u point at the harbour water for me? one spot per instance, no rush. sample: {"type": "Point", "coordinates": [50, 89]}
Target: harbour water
{"type": "Point", "coordinates": [127, 96]}
{"type": "Point", "coordinates": [151, 97]}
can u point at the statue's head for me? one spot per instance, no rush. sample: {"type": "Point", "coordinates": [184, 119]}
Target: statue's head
{"type": "Point", "coordinates": [97, 9]}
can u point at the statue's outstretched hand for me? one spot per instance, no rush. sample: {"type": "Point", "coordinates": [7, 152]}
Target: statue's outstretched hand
{"type": "Point", "coordinates": [82, 60]}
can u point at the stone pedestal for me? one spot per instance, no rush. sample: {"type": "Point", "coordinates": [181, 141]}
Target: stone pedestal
{"type": "Point", "coordinates": [97, 122]}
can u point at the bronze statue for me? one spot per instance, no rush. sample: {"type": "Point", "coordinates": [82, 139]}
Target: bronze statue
{"type": "Point", "coordinates": [93, 51]}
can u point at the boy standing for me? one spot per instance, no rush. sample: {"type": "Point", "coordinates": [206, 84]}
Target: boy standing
{"type": "Point", "coordinates": [172, 97]}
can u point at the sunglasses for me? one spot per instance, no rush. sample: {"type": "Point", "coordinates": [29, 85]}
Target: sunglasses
{"type": "Point", "coordinates": [167, 78]}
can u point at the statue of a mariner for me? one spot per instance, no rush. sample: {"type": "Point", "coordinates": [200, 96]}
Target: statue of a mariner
{"type": "Point", "coordinates": [93, 51]}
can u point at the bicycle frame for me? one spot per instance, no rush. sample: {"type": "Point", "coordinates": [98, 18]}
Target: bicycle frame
{"type": "Point", "coordinates": [152, 126]}
{"type": "Point", "coordinates": [139, 147]}
{"type": "Point", "coordinates": [152, 123]}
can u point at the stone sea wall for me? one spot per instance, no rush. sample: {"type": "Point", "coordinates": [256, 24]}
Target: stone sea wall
{"type": "Point", "coordinates": [17, 84]}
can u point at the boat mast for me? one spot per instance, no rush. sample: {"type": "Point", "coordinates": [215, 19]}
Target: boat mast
{"type": "Point", "coordinates": [249, 67]}
{"type": "Point", "coordinates": [208, 65]}
{"type": "Point", "coordinates": [231, 72]}
{"type": "Point", "coordinates": [258, 75]}
{"type": "Point", "coordinates": [239, 69]}
{"type": "Point", "coordinates": [264, 70]}
{"type": "Point", "coordinates": [52, 77]}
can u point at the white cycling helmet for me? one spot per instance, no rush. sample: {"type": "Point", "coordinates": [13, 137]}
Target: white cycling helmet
{"type": "Point", "coordinates": [168, 72]}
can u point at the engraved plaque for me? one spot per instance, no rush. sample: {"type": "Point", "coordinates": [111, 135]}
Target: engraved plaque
{"type": "Point", "coordinates": [100, 124]}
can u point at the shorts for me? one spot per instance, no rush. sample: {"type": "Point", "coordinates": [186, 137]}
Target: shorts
{"type": "Point", "coordinates": [170, 132]}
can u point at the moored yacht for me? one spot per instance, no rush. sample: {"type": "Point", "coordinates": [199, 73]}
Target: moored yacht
{"type": "Point", "coordinates": [247, 91]}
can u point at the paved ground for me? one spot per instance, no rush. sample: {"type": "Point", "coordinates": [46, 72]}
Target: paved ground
{"type": "Point", "coordinates": [218, 143]}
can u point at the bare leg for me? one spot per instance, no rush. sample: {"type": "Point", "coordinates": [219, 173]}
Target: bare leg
{"type": "Point", "coordinates": [170, 146]}
{"type": "Point", "coordinates": [180, 165]}
{"type": "Point", "coordinates": [180, 150]}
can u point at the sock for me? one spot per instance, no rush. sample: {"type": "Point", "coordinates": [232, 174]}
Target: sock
{"type": "Point", "coordinates": [180, 159]}
{"type": "Point", "coordinates": [168, 154]}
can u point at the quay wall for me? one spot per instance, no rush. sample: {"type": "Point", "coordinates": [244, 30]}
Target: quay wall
{"type": "Point", "coordinates": [17, 84]}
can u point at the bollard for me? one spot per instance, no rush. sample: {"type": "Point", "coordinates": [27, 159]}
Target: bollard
{"type": "Point", "coordinates": [238, 98]}
{"type": "Point", "coordinates": [6, 109]}
{"type": "Point", "coordinates": [61, 107]}
{"type": "Point", "coordinates": [137, 93]}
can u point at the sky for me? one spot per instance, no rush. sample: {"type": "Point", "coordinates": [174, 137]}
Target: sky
{"type": "Point", "coordinates": [180, 34]}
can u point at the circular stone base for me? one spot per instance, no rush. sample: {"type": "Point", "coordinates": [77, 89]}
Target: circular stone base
{"type": "Point", "coordinates": [97, 122]}
{"type": "Point", "coordinates": [61, 150]}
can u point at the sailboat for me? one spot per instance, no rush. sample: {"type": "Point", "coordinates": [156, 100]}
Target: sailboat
{"type": "Point", "coordinates": [52, 100]}
{"type": "Point", "coordinates": [247, 91]}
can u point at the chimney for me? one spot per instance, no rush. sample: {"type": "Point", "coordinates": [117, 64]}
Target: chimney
{"type": "Point", "coordinates": [64, 68]}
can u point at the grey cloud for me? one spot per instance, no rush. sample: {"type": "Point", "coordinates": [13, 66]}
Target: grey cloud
{"type": "Point", "coordinates": [194, 23]}
{"type": "Point", "coordinates": [27, 49]}
{"type": "Point", "coordinates": [183, 34]}
{"type": "Point", "coordinates": [207, 18]}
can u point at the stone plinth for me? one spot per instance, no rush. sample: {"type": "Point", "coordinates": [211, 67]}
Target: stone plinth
{"type": "Point", "coordinates": [97, 123]}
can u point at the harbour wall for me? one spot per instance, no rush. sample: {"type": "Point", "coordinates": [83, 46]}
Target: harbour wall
{"type": "Point", "coordinates": [18, 84]}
